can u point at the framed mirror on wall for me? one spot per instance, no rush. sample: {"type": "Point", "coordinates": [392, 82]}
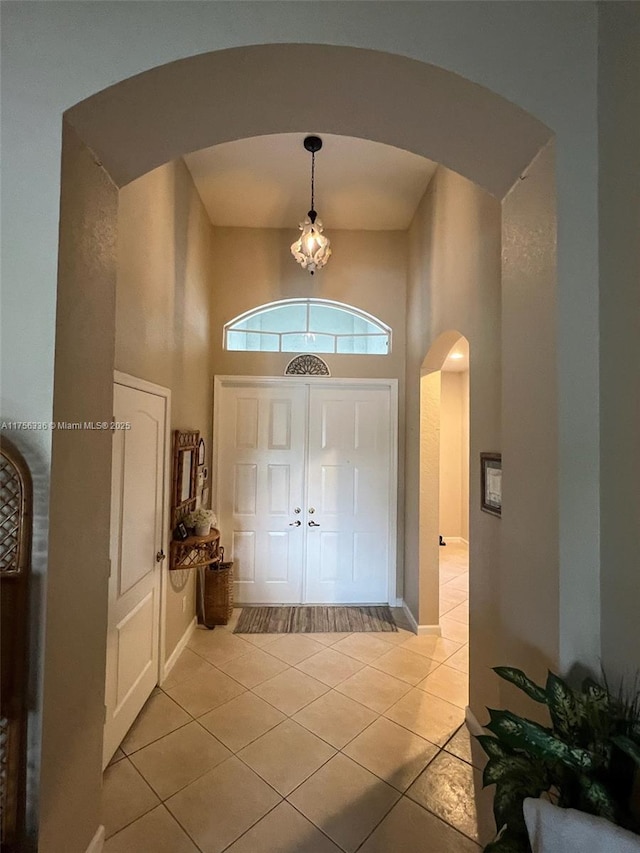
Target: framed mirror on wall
{"type": "Point", "coordinates": [185, 467]}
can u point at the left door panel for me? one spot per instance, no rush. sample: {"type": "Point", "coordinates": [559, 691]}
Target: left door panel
{"type": "Point", "coordinates": [137, 534]}
{"type": "Point", "coordinates": [261, 452]}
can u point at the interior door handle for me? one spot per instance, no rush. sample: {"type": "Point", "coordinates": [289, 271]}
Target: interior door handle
{"type": "Point", "coordinates": [295, 523]}
{"type": "Point", "coordinates": [160, 556]}
{"type": "Point", "coordinates": [313, 524]}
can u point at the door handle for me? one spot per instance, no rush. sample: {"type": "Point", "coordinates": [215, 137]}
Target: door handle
{"type": "Point", "coordinates": [295, 523]}
{"type": "Point", "coordinates": [313, 524]}
{"type": "Point", "coordinates": [160, 556]}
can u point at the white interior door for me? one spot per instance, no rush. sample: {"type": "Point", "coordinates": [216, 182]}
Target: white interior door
{"type": "Point", "coordinates": [306, 489]}
{"type": "Point", "coordinates": [261, 445]}
{"type": "Point", "coordinates": [137, 534]}
{"type": "Point", "coordinates": [348, 495]}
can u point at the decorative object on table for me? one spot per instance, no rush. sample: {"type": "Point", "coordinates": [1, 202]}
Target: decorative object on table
{"type": "Point", "coordinates": [587, 759]}
{"type": "Point", "coordinates": [201, 451]}
{"type": "Point", "coordinates": [317, 619]}
{"type": "Point", "coordinates": [185, 459]}
{"type": "Point", "coordinates": [312, 249]}
{"type": "Point", "coordinates": [216, 592]}
{"type": "Point", "coordinates": [201, 520]}
{"type": "Point", "coordinates": [307, 365]}
{"type": "Point", "coordinates": [180, 531]}
{"type": "Point", "coordinates": [491, 483]}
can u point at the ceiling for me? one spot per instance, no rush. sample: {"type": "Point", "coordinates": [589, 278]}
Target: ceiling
{"type": "Point", "coordinates": [264, 182]}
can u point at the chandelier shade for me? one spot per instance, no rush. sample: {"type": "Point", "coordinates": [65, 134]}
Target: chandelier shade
{"type": "Point", "coordinates": [312, 249]}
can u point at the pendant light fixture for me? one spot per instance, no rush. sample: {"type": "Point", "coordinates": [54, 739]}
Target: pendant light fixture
{"type": "Point", "coordinates": [312, 249]}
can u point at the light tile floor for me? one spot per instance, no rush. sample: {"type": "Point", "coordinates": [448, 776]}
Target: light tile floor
{"type": "Point", "coordinates": [305, 744]}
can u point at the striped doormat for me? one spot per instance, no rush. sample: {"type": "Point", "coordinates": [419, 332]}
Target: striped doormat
{"type": "Point", "coordinates": [314, 620]}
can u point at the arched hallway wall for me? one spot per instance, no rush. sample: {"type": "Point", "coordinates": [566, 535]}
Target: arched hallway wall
{"type": "Point", "coordinates": [454, 283]}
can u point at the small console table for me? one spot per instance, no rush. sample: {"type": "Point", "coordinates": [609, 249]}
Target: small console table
{"type": "Point", "coordinates": [195, 552]}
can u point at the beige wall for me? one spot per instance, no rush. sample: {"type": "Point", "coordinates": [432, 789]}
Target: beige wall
{"type": "Point", "coordinates": [464, 496]}
{"type": "Point", "coordinates": [454, 456]}
{"type": "Point", "coordinates": [76, 625]}
{"type": "Point", "coordinates": [253, 266]}
{"type": "Point", "coordinates": [163, 303]}
{"type": "Point", "coordinates": [619, 123]}
{"type": "Point", "coordinates": [454, 284]}
{"type": "Point", "coordinates": [530, 614]}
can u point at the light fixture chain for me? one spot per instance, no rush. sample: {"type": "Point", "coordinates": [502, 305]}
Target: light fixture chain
{"type": "Point", "coordinates": [313, 176]}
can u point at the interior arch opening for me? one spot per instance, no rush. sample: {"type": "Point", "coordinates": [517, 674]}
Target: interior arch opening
{"type": "Point", "coordinates": [126, 132]}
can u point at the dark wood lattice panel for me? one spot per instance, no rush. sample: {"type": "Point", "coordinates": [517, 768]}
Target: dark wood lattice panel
{"type": "Point", "coordinates": [15, 555]}
{"type": "Point", "coordinates": [10, 513]}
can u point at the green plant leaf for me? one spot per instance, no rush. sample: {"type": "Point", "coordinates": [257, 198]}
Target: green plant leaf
{"type": "Point", "coordinates": [597, 798]}
{"type": "Point", "coordinates": [521, 680]}
{"type": "Point", "coordinates": [509, 765]}
{"type": "Point", "coordinates": [597, 694]}
{"type": "Point", "coordinates": [524, 734]}
{"type": "Point", "coordinates": [629, 747]}
{"type": "Point", "coordinates": [563, 707]}
{"type": "Point", "coordinates": [509, 842]}
{"type": "Point", "coordinates": [493, 747]}
{"type": "Point", "coordinates": [509, 796]}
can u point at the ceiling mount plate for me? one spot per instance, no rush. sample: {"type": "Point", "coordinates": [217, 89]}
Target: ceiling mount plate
{"type": "Point", "coordinates": [313, 143]}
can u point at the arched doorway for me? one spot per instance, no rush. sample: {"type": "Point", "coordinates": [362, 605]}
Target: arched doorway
{"type": "Point", "coordinates": [118, 135]}
{"type": "Point", "coordinates": [445, 419]}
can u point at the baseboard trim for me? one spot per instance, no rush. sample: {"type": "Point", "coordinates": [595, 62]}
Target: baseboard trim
{"type": "Point", "coordinates": [420, 630]}
{"type": "Point", "coordinates": [472, 722]}
{"type": "Point", "coordinates": [97, 842]}
{"type": "Point", "coordinates": [455, 539]}
{"type": "Point", "coordinates": [180, 647]}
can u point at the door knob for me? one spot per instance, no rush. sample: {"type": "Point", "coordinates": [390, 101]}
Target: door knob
{"type": "Point", "coordinates": [295, 523]}
{"type": "Point", "coordinates": [313, 524]}
{"type": "Point", "coordinates": [160, 556]}
{"type": "Point", "coordinates": [311, 510]}
{"type": "Point", "coordinates": [297, 510]}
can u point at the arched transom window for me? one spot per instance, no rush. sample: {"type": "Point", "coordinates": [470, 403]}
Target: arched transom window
{"type": "Point", "coordinates": [308, 325]}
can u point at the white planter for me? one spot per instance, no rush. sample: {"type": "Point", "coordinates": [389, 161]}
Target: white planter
{"type": "Point", "coordinates": [203, 529]}
{"type": "Point", "coordinates": [552, 829]}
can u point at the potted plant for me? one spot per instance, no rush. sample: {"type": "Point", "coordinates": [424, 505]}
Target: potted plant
{"type": "Point", "coordinates": [201, 520]}
{"type": "Point", "coordinates": [587, 759]}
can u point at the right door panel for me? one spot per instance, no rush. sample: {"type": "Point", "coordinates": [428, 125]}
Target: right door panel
{"type": "Point", "coordinates": [348, 495]}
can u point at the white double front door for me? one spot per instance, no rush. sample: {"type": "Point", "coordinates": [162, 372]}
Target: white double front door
{"type": "Point", "coordinates": [306, 489]}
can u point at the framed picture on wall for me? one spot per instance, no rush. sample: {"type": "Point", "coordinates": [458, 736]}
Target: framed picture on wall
{"type": "Point", "coordinates": [491, 483]}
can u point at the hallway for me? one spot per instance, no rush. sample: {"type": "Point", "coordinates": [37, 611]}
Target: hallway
{"type": "Point", "coordinates": [305, 744]}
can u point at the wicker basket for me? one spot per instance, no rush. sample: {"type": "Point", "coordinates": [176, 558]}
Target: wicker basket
{"type": "Point", "coordinates": [217, 596]}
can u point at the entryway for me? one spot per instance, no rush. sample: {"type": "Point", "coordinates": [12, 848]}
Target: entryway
{"type": "Point", "coordinates": [306, 489]}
